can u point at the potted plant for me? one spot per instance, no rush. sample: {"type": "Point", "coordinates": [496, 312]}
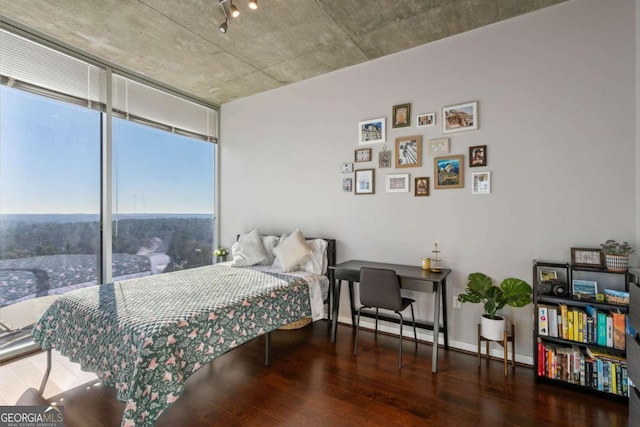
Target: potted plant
{"type": "Point", "coordinates": [480, 289]}
{"type": "Point", "coordinates": [221, 254]}
{"type": "Point", "coordinates": [616, 255]}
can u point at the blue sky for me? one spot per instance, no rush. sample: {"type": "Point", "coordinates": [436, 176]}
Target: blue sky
{"type": "Point", "coordinates": [50, 162]}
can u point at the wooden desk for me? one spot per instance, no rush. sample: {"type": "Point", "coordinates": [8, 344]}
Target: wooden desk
{"type": "Point", "coordinates": [350, 271]}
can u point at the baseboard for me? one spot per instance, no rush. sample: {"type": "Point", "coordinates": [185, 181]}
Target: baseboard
{"type": "Point", "coordinates": [427, 336]}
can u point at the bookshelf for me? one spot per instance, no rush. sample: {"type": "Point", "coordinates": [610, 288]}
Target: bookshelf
{"type": "Point", "coordinates": [580, 327]}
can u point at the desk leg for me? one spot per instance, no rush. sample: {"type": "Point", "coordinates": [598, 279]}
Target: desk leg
{"type": "Point", "coordinates": [444, 314]}
{"type": "Point", "coordinates": [436, 330]}
{"type": "Point", "coordinates": [353, 307]}
{"type": "Point", "coordinates": [337, 284]}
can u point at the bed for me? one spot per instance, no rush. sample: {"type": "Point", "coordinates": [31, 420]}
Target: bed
{"type": "Point", "coordinates": [146, 336]}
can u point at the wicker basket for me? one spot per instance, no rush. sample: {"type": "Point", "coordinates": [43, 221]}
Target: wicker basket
{"type": "Point", "coordinates": [617, 262]}
{"type": "Point", "coordinates": [297, 324]}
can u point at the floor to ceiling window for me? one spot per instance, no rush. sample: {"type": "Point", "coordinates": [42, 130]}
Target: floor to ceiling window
{"type": "Point", "coordinates": [67, 219]}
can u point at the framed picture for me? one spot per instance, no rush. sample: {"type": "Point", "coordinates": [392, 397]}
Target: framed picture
{"type": "Point", "coordinates": [409, 151]}
{"type": "Point", "coordinates": [347, 167]}
{"type": "Point", "coordinates": [398, 183]}
{"type": "Point", "coordinates": [448, 172]}
{"type": "Point", "coordinates": [363, 155]}
{"type": "Point", "coordinates": [365, 181]}
{"type": "Point", "coordinates": [426, 120]}
{"type": "Point", "coordinates": [347, 185]}
{"type": "Point", "coordinates": [384, 159]}
{"type": "Point", "coordinates": [372, 131]}
{"type": "Point", "coordinates": [587, 288]}
{"type": "Point", "coordinates": [401, 115]}
{"type": "Point", "coordinates": [461, 117]}
{"type": "Point", "coordinates": [438, 147]}
{"type": "Point", "coordinates": [421, 186]}
{"type": "Point", "coordinates": [477, 156]}
{"type": "Point", "coordinates": [546, 275]}
{"type": "Point", "coordinates": [587, 257]}
{"type": "Point", "coordinates": [481, 183]}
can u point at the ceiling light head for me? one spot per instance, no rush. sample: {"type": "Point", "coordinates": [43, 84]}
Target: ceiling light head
{"type": "Point", "coordinates": [235, 12]}
{"type": "Point", "coordinates": [224, 26]}
{"type": "Point", "coordinates": [253, 4]}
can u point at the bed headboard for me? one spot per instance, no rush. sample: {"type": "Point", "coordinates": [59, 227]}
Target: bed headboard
{"type": "Point", "coordinates": [331, 247]}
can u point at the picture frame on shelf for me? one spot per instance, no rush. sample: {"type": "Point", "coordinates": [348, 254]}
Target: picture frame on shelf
{"type": "Point", "coordinates": [587, 257]}
{"type": "Point", "coordinates": [401, 115]}
{"type": "Point", "coordinates": [384, 159]}
{"type": "Point", "coordinates": [365, 181]}
{"type": "Point", "coordinates": [398, 183]}
{"type": "Point", "coordinates": [477, 156]}
{"type": "Point", "coordinates": [363, 155]}
{"type": "Point", "coordinates": [347, 185]}
{"type": "Point", "coordinates": [421, 186]}
{"type": "Point", "coordinates": [460, 117]}
{"type": "Point", "coordinates": [586, 288]}
{"type": "Point", "coordinates": [372, 131]}
{"type": "Point", "coordinates": [438, 146]}
{"type": "Point", "coordinates": [426, 120]}
{"type": "Point", "coordinates": [347, 167]}
{"type": "Point", "coordinates": [409, 151]}
{"type": "Point", "coordinates": [547, 274]}
{"type": "Point", "coordinates": [448, 172]}
{"type": "Point", "coordinates": [481, 183]}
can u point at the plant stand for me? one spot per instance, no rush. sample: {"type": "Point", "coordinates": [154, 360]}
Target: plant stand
{"type": "Point", "coordinates": [506, 339]}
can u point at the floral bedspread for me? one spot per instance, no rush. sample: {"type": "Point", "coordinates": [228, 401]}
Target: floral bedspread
{"type": "Point", "coordinates": [145, 336]}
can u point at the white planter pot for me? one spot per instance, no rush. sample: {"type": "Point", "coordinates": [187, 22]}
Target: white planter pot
{"type": "Point", "coordinates": [617, 262]}
{"type": "Point", "coordinates": [492, 329]}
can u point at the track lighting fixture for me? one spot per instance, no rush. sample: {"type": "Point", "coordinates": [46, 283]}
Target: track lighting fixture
{"type": "Point", "coordinates": [231, 10]}
{"type": "Point", "coordinates": [224, 26]}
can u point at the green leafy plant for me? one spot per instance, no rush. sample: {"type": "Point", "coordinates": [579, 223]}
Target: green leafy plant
{"type": "Point", "coordinates": [512, 292]}
{"type": "Point", "coordinates": [611, 247]}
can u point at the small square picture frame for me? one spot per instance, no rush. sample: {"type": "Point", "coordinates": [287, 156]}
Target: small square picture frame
{"type": "Point", "coordinates": [401, 115]}
{"type": "Point", "coordinates": [477, 156]}
{"type": "Point", "coordinates": [481, 183]}
{"type": "Point", "coordinates": [372, 131]}
{"type": "Point", "coordinates": [588, 288]}
{"type": "Point", "coordinates": [384, 159]}
{"type": "Point", "coordinates": [362, 155]}
{"type": "Point", "coordinates": [347, 167]}
{"type": "Point", "coordinates": [438, 146]}
{"type": "Point", "coordinates": [397, 183]}
{"type": "Point", "coordinates": [365, 181]}
{"type": "Point", "coordinates": [448, 172]}
{"type": "Point", "coordinates": [587, 257]}
{"type": "Point", "coordinates": [421, 186]}
{"type": "Point", "coordinates": [426, 120]}
{"type": "Point", "coordinates": [409, 151]}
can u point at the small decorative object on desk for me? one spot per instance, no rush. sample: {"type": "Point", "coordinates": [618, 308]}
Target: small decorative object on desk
{"type": "Point", "coordinates": [221, 254]}
{"type": "Point", "coordinates": [616, 297]}
{"type": "Point", "coordinates": [426, 263]}
{"type": "Point", "coordinates": [436, 268]}
{"type": "Point", "coordinates": [616, 255]}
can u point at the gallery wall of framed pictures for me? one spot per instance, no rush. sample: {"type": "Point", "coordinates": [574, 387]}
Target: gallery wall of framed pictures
{"type": "Point", "coordinates": [405, 152]}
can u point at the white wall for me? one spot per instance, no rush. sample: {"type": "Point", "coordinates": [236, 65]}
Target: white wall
{"type": "Point", "coordinates": [556, 110]}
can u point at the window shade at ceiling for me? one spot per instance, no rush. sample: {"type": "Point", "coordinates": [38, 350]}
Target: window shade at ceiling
{"type": "Point", "coordinates": [26, 61]}
{"type": "Point", "coordinates": [136, 100]}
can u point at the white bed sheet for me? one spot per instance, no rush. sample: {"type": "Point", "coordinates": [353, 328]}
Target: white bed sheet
{"type": "Point", "coordinates": [318, 286]}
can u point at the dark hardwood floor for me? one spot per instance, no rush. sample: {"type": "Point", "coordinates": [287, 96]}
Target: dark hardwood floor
{"type": "Point", "coordinates": [314, 383]}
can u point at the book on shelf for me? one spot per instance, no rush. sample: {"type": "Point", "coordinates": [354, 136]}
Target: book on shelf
{"type": "Point", "coordinates": [609, 331]}
{"type": "Point", "coordinates": [602, 329]}
{"type": "Point", "coordinates": [565, 324]}
{"type": "Point", "coordinates": [619, 323]}
{"type": "Point", "coordinates": [543, 320]}
{"type": "Point", "coordinates": [570, 325]}
{"type": "Point", "coordinates": [553, 321]}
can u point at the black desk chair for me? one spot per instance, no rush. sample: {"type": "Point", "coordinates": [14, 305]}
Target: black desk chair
{"type": "Point", "coordinates": [380, 288]}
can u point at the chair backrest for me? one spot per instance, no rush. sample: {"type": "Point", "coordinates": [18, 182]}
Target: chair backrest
{"type": "Point", "coordinates": [380, 288]}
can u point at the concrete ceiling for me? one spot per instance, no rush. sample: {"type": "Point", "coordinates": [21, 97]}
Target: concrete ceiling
{"type": "Point", "coordinates": [177, 42]}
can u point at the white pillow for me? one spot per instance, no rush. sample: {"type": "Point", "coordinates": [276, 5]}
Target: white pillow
{"type": "Point", "coordinates": [248, 250]}
{"type": "Point", "coordinates": [317, 262]}
{"type": "Point", "coordinates": [293, 251]}
{"type": "Point", "coordinates": [269, 243]}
